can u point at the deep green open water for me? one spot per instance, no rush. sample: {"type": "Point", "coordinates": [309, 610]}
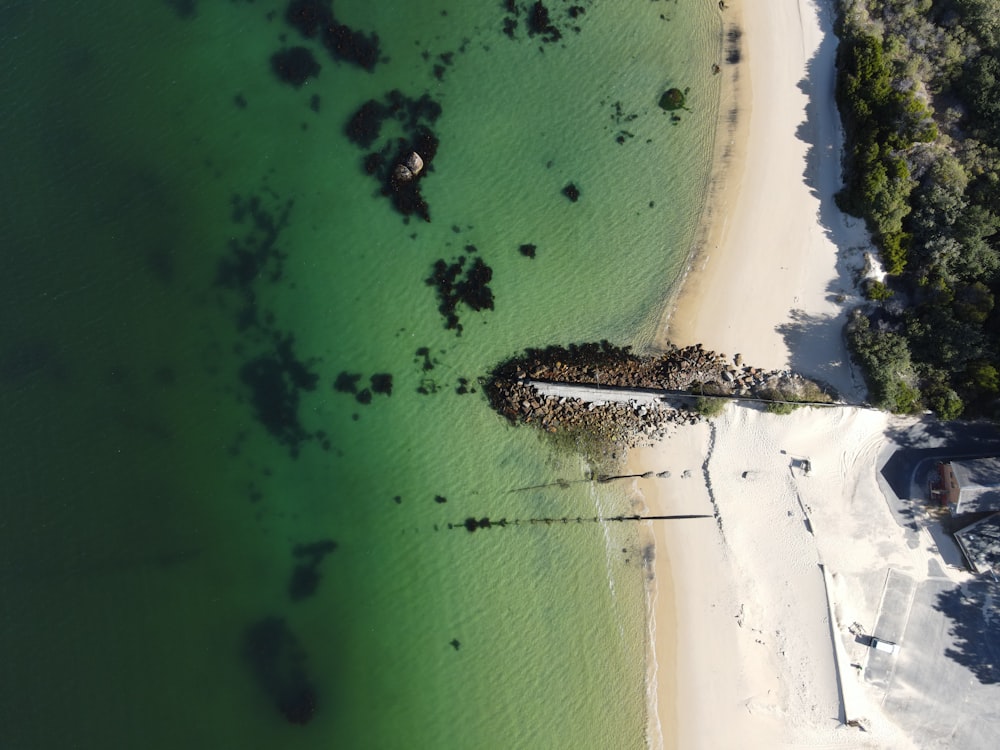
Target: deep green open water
{"type": "Point", "coordinates": [168, 440]}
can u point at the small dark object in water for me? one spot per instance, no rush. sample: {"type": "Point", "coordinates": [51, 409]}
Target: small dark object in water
{"type": "Point", "coordinates": [366, 123]}
{"type": "Point", "coordinates": [471, 524]}
{"type": "Point", "coordinates": [528, 251]}
{"type": "Point", "coordinates": [185, 9]}
{"type": "Point", "coordinates": [440, 499]}
{"type": "Point", "coordinates": [305, 575]}
{"type": "Point", "coordinates": [455, 643]}
{"type": "Point", "coordinates": [382, 383]}
{"type": "Point", "coordinates": [294, 66]}
{"type": "Point", "coordinates": [303, 583]}
{"type": "Point", "coordinates": [240, 101]}
{"type": "Point", "coordinates": [673, 99]}
{"type": "Point", "coordinates": [398, 499]}
{"type": "Point", "coordinates": [540, 23]}
{"type": "Point", "coordinates": [572, 192]}
{"type": "Point", "coordinates": [425, 352]}
{"type": "Point", "coordinates": [473, 290]}
{"type": "Point", "coordinates": [346, 382]}
{"type": "Point", "coordinates": [314, 103]}
{"type": "Point", "coordinates": [364, 396]}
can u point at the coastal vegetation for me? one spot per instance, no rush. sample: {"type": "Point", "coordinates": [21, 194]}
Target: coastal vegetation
{"type": "Point", "coordinates": [710, 406]}
{"type": "Point", "coordinates": [918, 88]}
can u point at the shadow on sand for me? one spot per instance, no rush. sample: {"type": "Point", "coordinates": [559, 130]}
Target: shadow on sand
{"type": "Point", "coordinates": [815, 342]}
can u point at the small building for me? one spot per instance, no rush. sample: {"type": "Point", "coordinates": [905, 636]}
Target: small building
{"type": "Point", "coordinates": [980, 543]}
{"type": "Point", "coordinates": [971, 486]}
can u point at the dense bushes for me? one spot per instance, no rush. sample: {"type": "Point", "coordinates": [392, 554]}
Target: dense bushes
{"type": "Point", "coordinates": [885, 357]}
{"type": "Point", "coordinates": [919, 92]}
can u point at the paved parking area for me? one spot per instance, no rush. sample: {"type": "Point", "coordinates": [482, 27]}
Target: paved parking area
{"type": "Point", "coordinates": [943, 685]}
{"type": "Point", "coordinates": [890, 625]}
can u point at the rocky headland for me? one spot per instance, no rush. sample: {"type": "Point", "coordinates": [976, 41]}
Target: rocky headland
{"type": "Point", "coordinates": [672, 388]}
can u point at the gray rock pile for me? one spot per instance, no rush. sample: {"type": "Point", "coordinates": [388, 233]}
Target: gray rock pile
{"type": "Point", "coordinates": [690, 371]}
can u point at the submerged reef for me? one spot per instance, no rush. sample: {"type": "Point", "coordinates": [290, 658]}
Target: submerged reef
{"type": "Point", "coordinates": [254, 258]}
{"type": "Point", "coordinates": [453, 288]}
{"type": "Point", "coordinates": [405, 156]}
{"type": "Point", "coordinates": [273, 375]}
{"type": "Point", "coordinates": [674, 99]}
{"type": "Point", "coordinates": [294, 66]}
{"type": "Point", "coordinates": [275, 380]}
{"type": "Point", "coordinates": [314, 19]}
{"type": "Point", "coordinates": [305, 575]}
{"type": "Point", "coordinates": [278, 663]}
{"type": "Point", "coordinates": [347, 382]}
{"type": "Point", "coordinates": [540, 21]}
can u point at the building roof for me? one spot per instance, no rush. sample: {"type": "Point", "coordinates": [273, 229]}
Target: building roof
{"type": "Point", "coordinates": [980, 543]}
{"type": "Point", "coordinates": [978, 485]}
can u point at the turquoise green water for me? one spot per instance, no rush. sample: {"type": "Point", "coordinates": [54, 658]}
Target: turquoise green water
{"type": "Point", "coordinates": [150, 519]}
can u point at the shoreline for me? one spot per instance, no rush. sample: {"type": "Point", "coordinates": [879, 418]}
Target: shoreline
{"type": "Point", "coordinates": [728, 163]}
{"type": "Point", "coordinates": [664, 692]}
{"type": "Point", "coordinates": [771, 277]}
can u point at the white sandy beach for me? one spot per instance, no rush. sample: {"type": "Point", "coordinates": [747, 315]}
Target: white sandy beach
{"type": "Point", "coordinates": [762, 599]}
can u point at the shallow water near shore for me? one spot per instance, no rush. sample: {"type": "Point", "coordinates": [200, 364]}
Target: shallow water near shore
{"type": "Point", "coordinates": [202, 534]}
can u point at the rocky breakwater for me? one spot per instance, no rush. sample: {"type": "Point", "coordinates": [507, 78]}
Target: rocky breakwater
{"type": "Point", "coordinates": [682, 374]}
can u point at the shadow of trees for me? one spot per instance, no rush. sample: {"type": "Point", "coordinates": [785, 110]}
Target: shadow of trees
{"type": "Point", "coordinates": [808, 338]}
{"type": "Point", "coordinates": [812, 339]}
{"type": "Point", "coordinates": [929, 439]}
{"type": "Point", "coordinates": [974, 611]}
{"type": "Point", "coordinates": [931, 436]}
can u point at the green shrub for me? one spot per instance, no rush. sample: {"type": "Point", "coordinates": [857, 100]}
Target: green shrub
{"type": "Point", "coordinates": [710, 407]}
{"type": "Point", "coordinates": [775, 401]}
{"type": "Point", "coordinates": [775, 407]}
{"type": "Point", "coordinates": [894, 252]}
{"type": "Point", "coordinates": [877, 291]}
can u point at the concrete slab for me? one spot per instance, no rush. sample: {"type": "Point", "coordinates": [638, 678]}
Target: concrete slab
{"type": "Point", "coordinates": [890, 625]}
{"type": "Point", "coordinates": [945, 685]}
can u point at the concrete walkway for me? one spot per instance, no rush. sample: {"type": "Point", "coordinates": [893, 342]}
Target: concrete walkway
{"type": "Point", "coordinates": [598, 394]}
